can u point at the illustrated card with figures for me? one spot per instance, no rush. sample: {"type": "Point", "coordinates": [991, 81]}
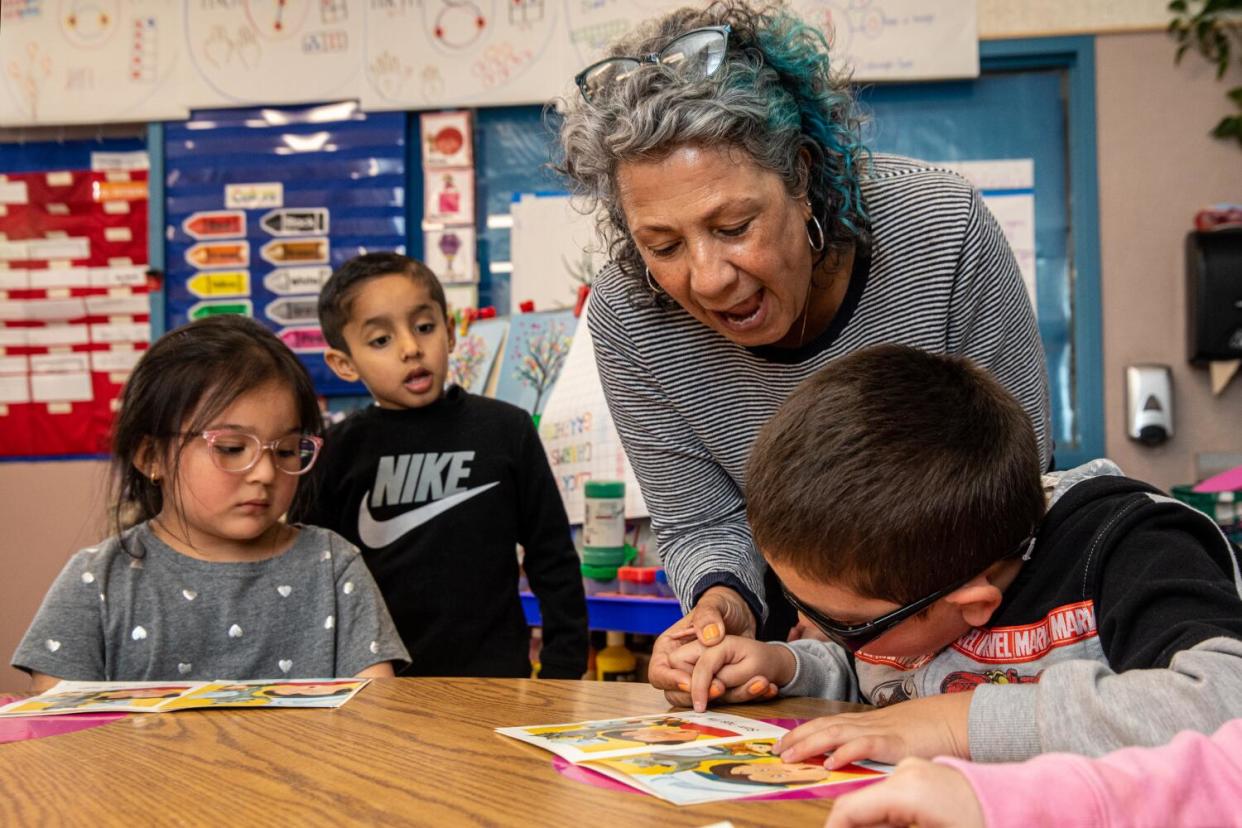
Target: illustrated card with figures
{"type": "Point", "coordinates": [688, 758]}
{"type": "Point", "coordinates": [165, 696]}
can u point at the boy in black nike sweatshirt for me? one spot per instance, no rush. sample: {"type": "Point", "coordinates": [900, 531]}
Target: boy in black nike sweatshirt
{"type": "Point", "coordinates": [437, 487]}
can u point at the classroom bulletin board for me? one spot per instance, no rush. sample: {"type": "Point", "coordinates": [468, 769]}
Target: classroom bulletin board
{"type": "Point", "coordinates": [74, 310]}
{"type": "Point", "coordinates": [262, 203]}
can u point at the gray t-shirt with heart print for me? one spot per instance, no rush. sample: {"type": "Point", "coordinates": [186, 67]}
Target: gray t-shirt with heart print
{"type": "Point", "coordinates": [133, 609]}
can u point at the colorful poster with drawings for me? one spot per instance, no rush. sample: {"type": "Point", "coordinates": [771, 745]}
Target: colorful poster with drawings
{"type": "Point", "coordinates": [437, 53]}
{"type": "Point", "coordinates": [89, 61]}
{"type": "Point", "coordinates": [450, 254]}
{"type": "Point", "coordinates": [688, 758]}
{"type": "Point", "coordinates": [474, 357]}
{"type": "Point", "coordinates": [578, 434]}
{"type": "Point", "coordinates": [271, 51]}
{"type": "Point", "coordinates": [92, 61]}
{"type": "Point", "coordinates": [163, 697]}
{"type": "Point", "coordinates": [535, 351]}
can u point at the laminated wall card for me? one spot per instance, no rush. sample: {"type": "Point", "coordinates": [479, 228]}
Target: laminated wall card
{"type": "Point", "coordinates": [450, 253]}
{"type": "Point", "coordinates": [449, 240]}
{"type": "Point", "coordinates": [74, 309]}
{"type": "Point", "coordinates": [262, 204]}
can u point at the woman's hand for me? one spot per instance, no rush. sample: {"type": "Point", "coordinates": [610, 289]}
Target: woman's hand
{"type": "Point", "coordinates": [720, 611]}
{"type": "Point", "coordinates": [918, 793]}
{"type": "Point", "coordinates": [931, 726]}
{"type": "Point", "coordinates": [736, 662]}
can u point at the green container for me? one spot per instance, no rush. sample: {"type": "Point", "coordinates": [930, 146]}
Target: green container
{"type": "Point", "coordinates": [603, 527]}
{"type": "Point", "coordinates": [608, 558]}
{"type": "Point", "coordinates": [599, 573]}
{"type": "Point", "coordinates": [1223, 507]}
{"type": "Point", "coordinates": [604, 488]}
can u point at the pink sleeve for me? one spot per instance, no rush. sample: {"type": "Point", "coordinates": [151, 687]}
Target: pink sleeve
{"type": "Point", "coordinates": [1193, 780]}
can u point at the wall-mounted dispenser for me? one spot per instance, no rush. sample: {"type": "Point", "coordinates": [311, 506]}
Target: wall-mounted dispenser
{"type": "Point", "coordinates": [1214, 295]}
{"type": "Point", "coordinates": [1149, 403]}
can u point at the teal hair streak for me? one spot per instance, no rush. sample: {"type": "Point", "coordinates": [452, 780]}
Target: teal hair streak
{"type": "Point", "coordinates": [807, 100]}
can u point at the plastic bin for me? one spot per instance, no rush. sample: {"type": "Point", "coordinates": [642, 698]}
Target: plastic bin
{"type": "Point", "coordinates": [597, 579]}
{"type": "Point", "coordinates": [638, 580]}
{"type": "Point", "coordinates": [1223, 507]}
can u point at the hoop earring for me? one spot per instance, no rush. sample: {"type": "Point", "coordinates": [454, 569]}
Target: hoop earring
{"type": "Point", "coordinates": [651, 283]}
{"type": "Point", "coordinates": [155, 479]}
{"type": "Point", "coordinates": [819, 228]}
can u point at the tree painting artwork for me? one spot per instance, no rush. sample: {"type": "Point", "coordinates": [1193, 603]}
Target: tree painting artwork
{"type": "Point", "coordinates": [541, 364]}
{"type": "Point", "coordinates": [470, 364]}
{"type": "Point", "coordinates": [466, 362]}
{"type": "Point", "coordinates": [537, 346]}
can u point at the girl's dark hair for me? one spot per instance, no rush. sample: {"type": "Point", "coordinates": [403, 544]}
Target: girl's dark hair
{"type": "Point", "coordinates": [182, 383]}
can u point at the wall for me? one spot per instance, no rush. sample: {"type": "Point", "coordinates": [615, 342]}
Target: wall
{"type": "Point", "coordinates": [1157, 166]}
{"type": "Point", "coordinates": [48, 511]}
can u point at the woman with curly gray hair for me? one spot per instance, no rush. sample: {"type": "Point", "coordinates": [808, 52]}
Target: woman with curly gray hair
{"type": "Point", "coordinates": [754, 240]}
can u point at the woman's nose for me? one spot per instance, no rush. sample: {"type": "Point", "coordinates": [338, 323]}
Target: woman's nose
{"type": "Point", "coordinates": [712, 276]}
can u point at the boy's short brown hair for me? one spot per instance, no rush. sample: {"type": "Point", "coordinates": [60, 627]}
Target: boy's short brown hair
{"type": "Point", "coordinates": [338, 294]}
{"type": "Point", "coordinates": [894, 472]}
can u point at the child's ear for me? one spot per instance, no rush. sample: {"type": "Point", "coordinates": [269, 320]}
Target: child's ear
{"type": "Point", "coordinates": [452, 335]}
{"type": "Point", "coordinates": [341, 364]}
{"type": "Point", "coordinates": [147, 461]}
{"type": "Point", "coordinates": [976, 600]}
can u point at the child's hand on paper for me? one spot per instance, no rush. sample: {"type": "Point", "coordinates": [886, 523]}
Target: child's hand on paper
{"type": "Point", "coordinates": [750, 669]}
{"type": "Point", "coordinates": [932, 726]}
{"type": "Point", "coordinates": [918, 793]}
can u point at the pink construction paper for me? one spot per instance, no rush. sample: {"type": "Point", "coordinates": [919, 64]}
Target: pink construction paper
{"type": "Point", "coordinates": [18, 728]}
{"type": "Point", "coordinates": [1229, 481]}
{"type": "Point", "coordinates": [578, 773]}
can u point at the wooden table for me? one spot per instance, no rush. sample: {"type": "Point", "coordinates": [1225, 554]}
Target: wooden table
{"type": "Point", "coordinates": [404, 751]}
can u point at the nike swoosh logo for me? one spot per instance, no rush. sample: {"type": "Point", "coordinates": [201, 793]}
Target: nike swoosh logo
{"type": "Point", "coordinates": [377, 534]}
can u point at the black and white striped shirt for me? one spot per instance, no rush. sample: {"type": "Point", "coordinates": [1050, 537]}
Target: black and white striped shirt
{"type": "Point", "coordinates": [688, 402]}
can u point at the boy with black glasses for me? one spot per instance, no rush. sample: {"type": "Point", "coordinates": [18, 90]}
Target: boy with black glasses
{"type": "Point", "coordinates": [897, 494]}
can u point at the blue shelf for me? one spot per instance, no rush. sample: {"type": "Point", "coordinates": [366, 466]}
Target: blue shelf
{"type": "Point", "coordinates": [650, 616]}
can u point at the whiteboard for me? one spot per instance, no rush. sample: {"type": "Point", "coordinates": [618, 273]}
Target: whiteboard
{"type": "Point", "coordinates": [554, 249]}
{"type": "Point", "coordinates": [89, 61]}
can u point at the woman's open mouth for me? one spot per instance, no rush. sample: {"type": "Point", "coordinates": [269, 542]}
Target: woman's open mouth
{"type": "Point", "coordinates": [746, 315]}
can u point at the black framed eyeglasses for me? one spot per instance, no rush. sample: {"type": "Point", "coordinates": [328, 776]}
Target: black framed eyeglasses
{"type": "Point", "coordinates": [698, 53]}
{"type": "Point", "coordinates": [854, 637]}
